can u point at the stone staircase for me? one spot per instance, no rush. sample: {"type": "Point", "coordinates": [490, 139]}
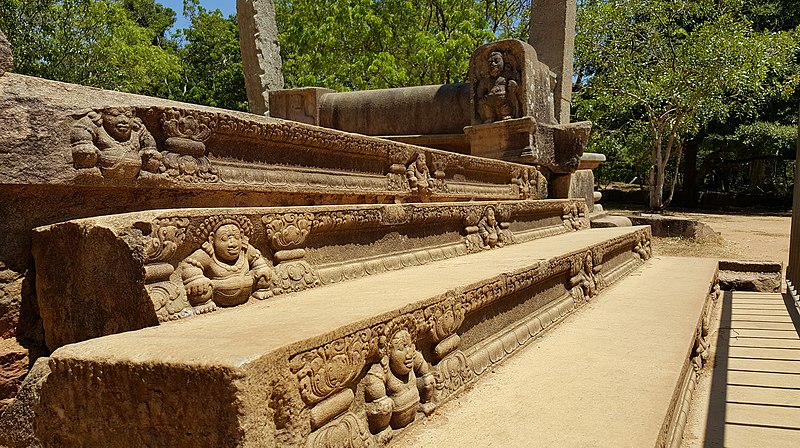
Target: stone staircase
{"type": "Point", "coordinates": [212, 278]}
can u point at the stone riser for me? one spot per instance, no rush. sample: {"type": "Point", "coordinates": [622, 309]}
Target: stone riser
{"type": "Point", "coordinates": [85, 267]}
{"type": "Point", "coordinates": [307, 386]}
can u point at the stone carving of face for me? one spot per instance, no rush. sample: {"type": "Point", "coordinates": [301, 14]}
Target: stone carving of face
{"type": "Point", "coordinates": [228, 242]}
{"type": "Point", "coordinates": [117, 122]}
{"type": "Point", "coordinates": [496, 64]}
{"type": "Point", "coordinates": [401, 353]}
{"type": "Point", "coordinates": [490, 217]}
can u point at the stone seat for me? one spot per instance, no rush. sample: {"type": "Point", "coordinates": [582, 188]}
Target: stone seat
{"type": "Point", "coordinates": [289, 371]}
{"type": "Point", "coordinates": [613, 375]}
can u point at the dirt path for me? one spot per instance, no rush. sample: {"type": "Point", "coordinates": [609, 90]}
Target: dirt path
{"type": "Point", "coordinates": [742, 237]}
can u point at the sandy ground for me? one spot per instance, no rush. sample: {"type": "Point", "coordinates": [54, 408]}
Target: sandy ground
{"type": "Point", "coordinates": [741, 237]}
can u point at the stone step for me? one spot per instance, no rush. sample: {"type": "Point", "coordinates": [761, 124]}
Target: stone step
{"type": "Point", "coordinates": [608, 376]}
{"type": "Point", "coordinates": [318, 367]}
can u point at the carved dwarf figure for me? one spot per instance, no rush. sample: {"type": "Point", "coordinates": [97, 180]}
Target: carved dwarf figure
{"type": "Point", "coordinates": [117, 142]}
{"type": "Point", "coordinates": [418, 174]}
{"type": "Point", "coordinates": [490, 231]}
{"type": "Point", "coordinates": [498, 95]}
{"type": "Point", "coordinates": [585, 281]}
{"type": "Point", "coordinates": [226, 270]}
{"type": "Point", "coordinates": [398, 386]}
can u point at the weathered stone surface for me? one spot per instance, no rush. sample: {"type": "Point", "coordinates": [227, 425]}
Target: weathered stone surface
{"type": "Point", "coordinates": [756, 276]}
{"type": "Point", "coordinates": [301, 105]}
{"type": "Point", "coordinates": [16, 421]}
{"type": "Point", "coordinates": [530, 95]}
{"type": "Point", "coordinates": [105, 275]}
{"type": "Point", "coordinates": [671, 226]}
{"type": "Point", "coordinates": [261, 52]}
{"type": "Point", "coordinates": [6, 56]}
{"type": "Point", "coordinates": [552, 34]}
{"type": "Point", "coordinates": [437, 109]}
{"type": "Point", "coordinates": [611, 221]}
{"type": "Point", "coordinates": [13, 367]}
{"type": "Point", "coordinates": [262, 372]}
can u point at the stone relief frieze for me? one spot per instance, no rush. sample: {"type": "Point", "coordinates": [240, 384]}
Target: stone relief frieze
{"type": "Point", "coordinates": [114, 144]}
{"type": "Point", "coordinates": [347, 432]}
{"type": "Point", "coordinates": [574, 217]}
{"type": "Point", "coordinates": [398, 385]}
{"type": "Point", "coordinates": [489, 232]}
{"type": "Point", "coordinates": [497, 93]}
{"type": "Point", "coordinates": [184, 156]}
{"type": "Point", "coordinates": [419, 175]}
{"type": "Point", "coordinates": [586, 277]}
{"type": "Point", "coordinates": [227, 270]}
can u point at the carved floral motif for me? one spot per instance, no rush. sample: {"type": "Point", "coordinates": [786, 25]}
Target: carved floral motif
{"type": "Point", "coordinates": [167, 235]}
{"type": "Point", "coordinates": [185, 153]}
{"type": "Point", "coordinates": [288, 230]}
{"type": "Point", "coordinates": [346, 432]}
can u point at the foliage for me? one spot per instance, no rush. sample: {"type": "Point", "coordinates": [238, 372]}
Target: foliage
{"type": "Point", "coordinates": [88, 42]}
{"type": "Point", "coordinates": [368, 44]}
{"type": "Point", "coordinates": [677, 66]}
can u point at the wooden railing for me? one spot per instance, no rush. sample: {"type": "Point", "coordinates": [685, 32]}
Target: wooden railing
{"type": "Point", "coordinates": [793, 269]}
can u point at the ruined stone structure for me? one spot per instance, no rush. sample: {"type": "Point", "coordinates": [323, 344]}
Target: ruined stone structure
{"type": "Point", "coordinates": [189, 276]}
{"type": "Point", "coordinates": [261, 52]}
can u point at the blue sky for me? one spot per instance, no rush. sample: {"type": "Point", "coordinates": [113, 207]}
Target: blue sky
{"type": "Point", "coordinates": [228, 7]}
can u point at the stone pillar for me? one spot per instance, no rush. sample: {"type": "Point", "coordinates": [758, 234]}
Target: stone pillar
{"type": "Point", "coordinates": [793, 269]}
{"type": "Point", "coordinates": [261, 52]}
{"type": "Point", "coordinates": [6, 57]}
{"type": "Point", "coordinates": [552, 34]}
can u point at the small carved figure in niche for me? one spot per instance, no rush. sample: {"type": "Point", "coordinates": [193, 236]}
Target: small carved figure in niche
{"type": "Point", "coordinates": [643, 248]}
{"type": "Point", "coordinates": [572, 217]}
{"type": "Point", "coordinates": [418, 174]}
{"type": "Point", "coordinates": [398, 386]}
{"type": "Point", "coordinates": [226, 270]}
{"type": "Point", "coordinates": [585, 281]}
{"type": "Point", "coordinates": [117, 142]}
{"type": "Point", "coordinates": [498, 94]}
{"type": "Point", "coordinates": [490, 231]}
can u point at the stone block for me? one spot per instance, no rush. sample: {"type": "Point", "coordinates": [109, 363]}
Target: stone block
{"type": "Point", "coordinates": [672, 226]}
{"type": "Point", "coordinates": [273, 374]}
{"type": "Point", "coordinates": [757, 276]}
{"type": "Point", "coordinates": [556, 147]}
{"type": "Point", "coordinates": [301, 105]}
{"type": "Point", "coordinates": [106, 275]}
{"type": "Point", "coordinates": [16, 421]}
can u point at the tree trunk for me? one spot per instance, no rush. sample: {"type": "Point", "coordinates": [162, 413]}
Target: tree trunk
{"type": "Point", "coordinates": [690, 178]}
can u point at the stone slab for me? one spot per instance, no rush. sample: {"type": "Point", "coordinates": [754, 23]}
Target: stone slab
{"type": "Point", "coordinates": [258, 376]}
{"type": "Point", "coordinates": [105, 275]}
{"type": "Point", "coordinates": [605, 377]}
{"type": "Point", "coordinates": [672, 226]}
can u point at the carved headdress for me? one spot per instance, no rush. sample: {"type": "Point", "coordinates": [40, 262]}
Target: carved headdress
{"type": "Point", "coordinates": [205, 233]}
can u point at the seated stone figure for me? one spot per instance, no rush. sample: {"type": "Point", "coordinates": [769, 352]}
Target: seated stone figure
{"type": "Point", "coordinates": [418, 174]}
{"type": "Point", "coordinates": [498, 94]}
{"type": "Point", "coordinates": [226, 270]}
{"type": "Point", "coordinates": [395, 387]}
{"type": "Point", "coordinates": [116, 142]}
{"type": "Point", "coordinates": [490, 231]}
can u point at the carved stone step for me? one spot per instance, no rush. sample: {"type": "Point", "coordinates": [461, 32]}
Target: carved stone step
{"type": "Point", "coordinates": [352, 362]}
{"type": "Point", "coordinates": [116, 273]}
{"type": "Point", "coordinates": [616, 374]}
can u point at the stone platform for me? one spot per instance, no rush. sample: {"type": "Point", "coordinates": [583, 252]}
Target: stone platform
{"type": "Point", "coordinates": [300, 369]}
{"type": "Point", "coordinates": [613, 375]}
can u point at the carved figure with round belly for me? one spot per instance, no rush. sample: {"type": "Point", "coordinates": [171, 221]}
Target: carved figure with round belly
{"type": "Point", "coordinates": [116, 142]}
{"type": "Point", "coordinates": [226, 270]}
{"type": "Point", "coordinates": [396, 387]}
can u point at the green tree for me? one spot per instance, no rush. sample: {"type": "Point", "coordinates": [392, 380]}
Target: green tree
{"type": "Point", "coordinates": [369, 44]}
{"type": "Point", "coordinates": [87, 42]}
{"type": "Point", "coordinates": [676, 66]}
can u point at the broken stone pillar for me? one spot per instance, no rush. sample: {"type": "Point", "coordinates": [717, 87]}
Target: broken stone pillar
{"type": "Point", "coordinates": [552, 34]}
{"type": "Point", "coordinates": [6, 58]}
{"type": "Point", "coordinates": [261, 52]}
